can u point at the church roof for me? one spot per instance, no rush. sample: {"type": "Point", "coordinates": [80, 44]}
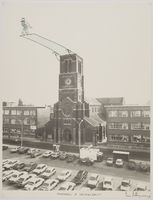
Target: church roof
{"type": "Point", "coordinates": [92, 101]}
{"type": "Point", "coordinates": [111, 101]}
{"type": "Point", "coordinates": [94, 120]}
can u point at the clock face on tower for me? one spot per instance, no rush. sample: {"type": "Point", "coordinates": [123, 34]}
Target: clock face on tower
{"type": "Point", "coordinates": [68, 81]}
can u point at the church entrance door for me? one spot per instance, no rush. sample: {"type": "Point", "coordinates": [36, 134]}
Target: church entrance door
{"type": "Point", "coordinates": [67, 136]}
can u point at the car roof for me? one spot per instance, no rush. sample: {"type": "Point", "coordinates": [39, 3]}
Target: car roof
{"type": "Point", "coordinates": [50, 180]}
{"type": "Point", "coordinates": [119, 159]}
{"type": "Point", "coordinates": [94, 175]}
{"type": "Point", "coordinates": [66, 170]}
{"type": "Point", "coordinates": [126, 180]}
{"type": "Point", "coordinates": [107, 179]}
{"type": "Point", "coordinates": [40, 165]}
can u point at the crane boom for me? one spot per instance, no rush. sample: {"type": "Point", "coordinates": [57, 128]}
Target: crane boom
{"type": "Point", "coordinates": [56, 48]}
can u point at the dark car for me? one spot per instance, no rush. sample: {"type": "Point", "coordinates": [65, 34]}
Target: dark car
{"type": "Point", "coordinates": [70, 158]}
{"type": "Point", "coordinates": [36, 153]}
{"type": "Point", "coordinates": [23, 150]}
{"type": "Point", "coordinates": [19, 166]}
{"type": "Point", "coordinates": [63, 156]}
{"type": "Point", "coordinates": [5, 147]}
{"type": "Point", "coordinates": [143, 167]}
{"type": "Point", "coordinates": [131, 165]}
{"type": "Point", "coordinates": [86, 161]}
{"type": "Point", "coordinates": [29, 167]}
{"type": "Point", "coordinates": [80, 177]}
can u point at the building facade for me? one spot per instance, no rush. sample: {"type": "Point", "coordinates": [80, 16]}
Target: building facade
{"type": "Point", "coordinates": [72, 120]}
{"type": "Point", "coordinates": [26, 119]}
{"type": "Point", "coordinates": [128, 124]}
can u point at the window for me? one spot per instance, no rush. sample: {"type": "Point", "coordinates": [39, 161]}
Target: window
{"type": "Point", "coordinates": [6, 112]}
{"type": "Point", "coordinates": [136, 126]}
{"type": "Point", "coordinates": [19, 112]}
{"type": "Point", "coordinates": [67, 121]}
{"type": "Point", "coordinates": [79, 67]}
{"type": "Point", "coordinates": [119, 138]}
{"type": "Point", "coordinates": [6, 121]}
{"type": "Point", "coordinates": [26, 121]}
{"type": "Point", "coordinates": [26, 112]}
{"type": "Point", "coordinates": [123, 113]}
{"type": "Point", "coordinates": [13, 121]}
{"type": "Point", "coordinates": [6, 130]}
{"type": "Point", "coordinates": [32, 122]}
{"type": "Point", "coordinates": [145, 126]}
{"type": "Point", "coordinates": [13, 112]}
{"type": "Point", "coordinates": [136, 113]}
{"type": "Point", "coordinates": [145, 113]}
{"type": "Point", "coordinates": [112, 113]}
{"type": "Point", "coordinates": [118, 126]}
{"type": "Point", "coordinates": [32, 112]}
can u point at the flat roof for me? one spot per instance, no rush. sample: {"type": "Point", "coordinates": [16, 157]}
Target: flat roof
{"type": "Point", "coordinates": [128, 105]}
{"type": "Point", "coordinates": [122, 152]}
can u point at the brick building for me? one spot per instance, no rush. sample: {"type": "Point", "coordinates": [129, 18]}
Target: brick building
{"type": "Point", "coordinates": [26, 119]}
{"type": "Point", "coordinates": [128, 124]}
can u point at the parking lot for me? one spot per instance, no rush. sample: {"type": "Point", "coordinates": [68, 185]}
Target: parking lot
{"type": "Point", "coordinates": [100, 168]}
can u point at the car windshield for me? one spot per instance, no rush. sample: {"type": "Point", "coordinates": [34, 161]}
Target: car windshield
{"type": "Point", "coordinates": [125, 184]}
{"type": "Point", "coordinates": [14, 176]}
{"type": "Point", "coordinates": [62, 188]}
{"type": "Point", "coordinates": [92, 178]}
{"type": "Point", "coordinates": [110, 159]}
{"type": "Point", "coordinates": [45, 184]}
{"type": "Point", "coordinates": [107, 182]}
{"type": "Point", "coordinates": [39, 167]}
{"type": "Point", "coordinates": [53, 183]}
{"type": "Point", "coordinates": [21, 179]}
{"type": "Point", "coordinates": [30, 183]}
{"type": "Point", "coordinates": [48, 171]}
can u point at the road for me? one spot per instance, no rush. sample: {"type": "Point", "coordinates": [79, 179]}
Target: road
{"type": "Point", "coordinates": [99, 168]}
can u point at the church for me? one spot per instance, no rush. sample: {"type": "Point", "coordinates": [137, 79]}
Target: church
{"type": "Point", "coordinates": [74, 121]}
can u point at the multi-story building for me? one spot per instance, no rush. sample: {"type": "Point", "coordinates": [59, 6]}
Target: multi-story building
{"type": "Point", "coordinates": [24, 118]}
{"type": "Point", "coordinates": [128, 124]}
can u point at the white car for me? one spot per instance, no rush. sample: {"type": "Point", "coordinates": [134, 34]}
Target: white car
{"type": "Point", "coordinates": [108, 184]}
{"type": "Point", "coordinates": [7, 174]}
{"type": "Point", "coordinates": [39, 169]}
{"type": "Point", "coordinates": [140, 187]}
{"type": "Point", "coordinates": [34, 183]}
{"type": "Point", "coordinates": [14, 149]}
{"type": "Point", "coordinates": [93, 180]}
{"type": "Point", "coordinates": [50, 171]}
{"type": "Point", "coordinates": [47, 154]}
{"type": "Point", "coordinates": [65, 174]}
{"type": "Point", "coordinates": [68, 186]}
{"type": "Point", "coordinates": [10, 164]}
{"type": "Point", "coordinates": [24, 179]}
{"type": "Point", "coordinates": [15, 176]}
{"type": "Point", "coordinates": [49, 185]}
{"type": "Point", "coordinates": [119, 163]}
{"type": "Point", "coordinates": [125, 185]}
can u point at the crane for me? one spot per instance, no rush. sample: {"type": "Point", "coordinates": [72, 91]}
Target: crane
{"type": "Point", "coordinates": [56, 48]}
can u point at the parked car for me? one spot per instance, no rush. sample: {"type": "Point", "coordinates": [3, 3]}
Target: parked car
{"type": "Point", "coordinates": [15, 176]}
{"type": "Point", "coordinates": [29, 167]}
{"type": "Point", "coordinates": [119, 163]}
{"type": "Point", "coordinates": [55, 154]}
{"type": "Point", "coordinates": [140, 187]}
{"type": "Point", "coordinates": [109, 162]}
{"type": "Point", "coordinates": [19, 165]}
{"type": "Point", "coordinates": [10, 164]}
{"type": "Point", "coordinates": [50, 171]}
{"type": "Point", "coordinates": [125, 185]}
{"type": "Point", "coordinates": [24, 179]}
{"type": "Point", "coordinates": [23, 150]}
{"type": "Point", "coordinates": [47, 154]}
{"type": "Point", "coordinates": [31, 150]}
{"type": "Point", "coordinates": [5, 147]}
{"type": "Point", "coordinates": [70, 158]}
{"type": "Point", "coordinates": [63, 156]}
{"type": "Point", "coordinates": [87, 161]}
{"type": "Point", "coordinates": [131, 165]}
{"type": "Point", "coordinates": [65, 174]}
{"type": "Point", "coordinates": [68, 186]}
{"type": "Point", "coordinates": [14, 149]}
{"type": "Point", "coordinates": [35, 153]}
{"type": "Point", "coordinates": [107, 184]}
{"type": "Point", "coordinates": [4, 162]}
{"type": "Point", "coordinates": [80, 177]}
{"type": "Point", "coordinates": [93, 180]}
{"type": "Point", "coordinates": [49, 185]}
{"type": "Point", "coordinates": [7, 174]}
{"type": "Point", "coordinates": [39, 169]}
{"type": "Point", "coordinates": [34, 183]}
{"type": "Point", "coordinates": [143, 167]}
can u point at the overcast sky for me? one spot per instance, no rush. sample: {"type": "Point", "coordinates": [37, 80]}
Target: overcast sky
{"type": "Point", "coordinates": [114, 40]}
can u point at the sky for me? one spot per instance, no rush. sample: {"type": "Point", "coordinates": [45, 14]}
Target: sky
{"type": "Point", "coordinates": [113, 38]}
